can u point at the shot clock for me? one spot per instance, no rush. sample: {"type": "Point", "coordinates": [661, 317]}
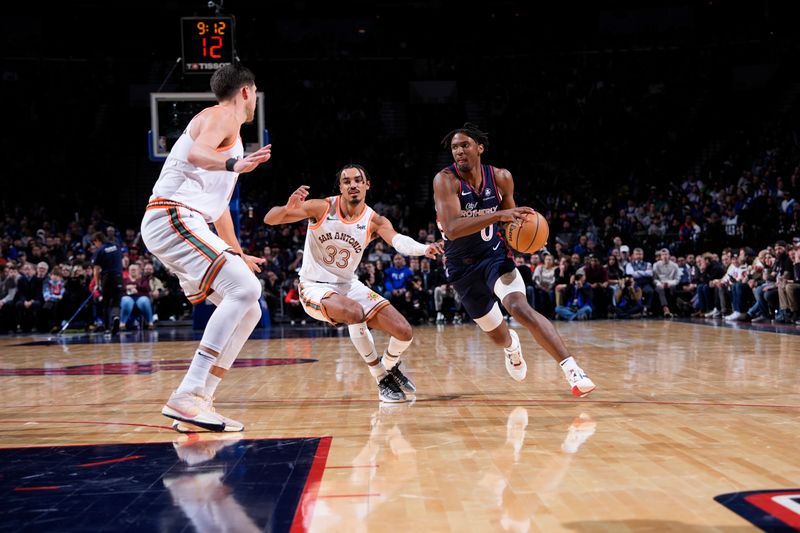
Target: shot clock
{"type": "Point", "coordinates": [207, 43]}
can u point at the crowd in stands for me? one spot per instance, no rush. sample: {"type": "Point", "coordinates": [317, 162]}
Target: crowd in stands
{"type": "Point", "coordinates": [727, 249]}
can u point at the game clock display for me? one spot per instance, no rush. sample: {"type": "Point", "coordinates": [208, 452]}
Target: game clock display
{"type": "Point", "coordinates": [207, 43]}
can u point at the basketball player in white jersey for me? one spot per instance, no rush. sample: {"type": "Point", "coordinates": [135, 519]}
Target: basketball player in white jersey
{"type": "Point", "coordinates": [193, 191]}
{"type": "Point", "coordinates": [339, 230]}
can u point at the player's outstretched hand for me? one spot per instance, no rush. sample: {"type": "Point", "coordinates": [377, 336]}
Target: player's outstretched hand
{"type": "Point", "coordinates": [515, 214]}
{"type": "Point", "coordinates": [434, 249]}
{"type": "Point", "coordinates": [298, 197]}
{"type": "Point", "coordinates": [252, 262]}
{"type": "Point", "coordinates": [249, 163]}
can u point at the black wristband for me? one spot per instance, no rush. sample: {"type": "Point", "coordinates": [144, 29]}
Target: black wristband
{"type": "Point", "coordinates": [229, 164]}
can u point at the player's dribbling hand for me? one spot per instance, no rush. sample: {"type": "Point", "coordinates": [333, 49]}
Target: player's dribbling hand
{"type": "Point", "coordinates": [252, 262]}
{"type": "Point", "coordinates": [434, 249]}
{"type": "Point", "coordinates": [250, 162]}
{"type": "Point", "coordinates": [515, 214]}
{"type": "Point", "coordinates": [297, 197]}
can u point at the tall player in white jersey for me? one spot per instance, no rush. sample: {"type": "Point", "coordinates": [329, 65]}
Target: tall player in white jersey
{"type": "Point", "coordinates": [193, 191]}
{"type": "Point", "coordinates": [339, 230]}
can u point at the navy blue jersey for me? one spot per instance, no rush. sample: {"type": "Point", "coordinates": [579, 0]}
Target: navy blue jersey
{"type": "Point", "coordinates": [108, 256]}
{"type": "Point", "coordinates": [475, 202]}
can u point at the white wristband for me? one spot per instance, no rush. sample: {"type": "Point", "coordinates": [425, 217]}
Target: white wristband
{"type": "Point", "coordinates": [408, 246]}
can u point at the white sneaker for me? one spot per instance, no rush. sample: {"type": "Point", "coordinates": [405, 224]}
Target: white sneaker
{"type": "Point", "coordinates": [440, 318]}
{"type": "Point", "coordinates": [713, 313]}
{"type": "Point", "coordinates": [192, 408]}
{"type": "Point", "coordinates": [736, 315]}
{"type": "Point", "coordinates": [231, 425]}
{"type": "Point", "coordinates": [517, 370]}
{"type": "Point", "coordinates": [579, 382]}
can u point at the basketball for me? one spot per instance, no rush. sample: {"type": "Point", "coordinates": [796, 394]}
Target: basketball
{"type": "Point", "coordinates": [530, 236]}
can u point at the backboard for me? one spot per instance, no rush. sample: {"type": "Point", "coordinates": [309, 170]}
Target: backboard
{"type": "Point", "coordinates": [171, 112]}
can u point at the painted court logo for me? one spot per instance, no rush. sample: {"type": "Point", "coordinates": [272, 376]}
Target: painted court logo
{"type": "Point", "coordinates": [771, 510]}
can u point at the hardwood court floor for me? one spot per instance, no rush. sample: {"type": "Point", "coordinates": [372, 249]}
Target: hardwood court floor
{"type": "Point", "coordinates": [683, 413]}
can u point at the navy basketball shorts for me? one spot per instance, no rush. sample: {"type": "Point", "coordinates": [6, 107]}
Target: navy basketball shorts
{"type": "Point", "coordinates": [475, 283]}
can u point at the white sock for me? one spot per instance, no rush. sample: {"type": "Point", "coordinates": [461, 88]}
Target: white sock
{"type": "Point", "coordinates": [362, 339]}
{"type": "Point", "coordinates": [514, 349]}
{"type": "Point", "coordinates": [393, 352]}
{"type": "Point", "coordinates": [211, 384]}
{"type": "Point", "coordinates": [195, 378]}
{"type": "Point", "coordinates": [568, 364]}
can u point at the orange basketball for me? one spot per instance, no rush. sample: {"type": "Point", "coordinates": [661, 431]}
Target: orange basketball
{"type": "Point", "coordinates": [530, 236]}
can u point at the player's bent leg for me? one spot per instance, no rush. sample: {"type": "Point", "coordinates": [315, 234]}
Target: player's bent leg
{"type": "Point", "coordinates": [389, 319]}
{"type": "Point", "coordinates": [223, 363]}
{"type": "Point", "coordinates": [341, 309]}
{"type": "Point", "coordinates": [239, 289]}
{"type": "Point", "coordinates": [511, 290]}
{"type": "Point", "coordinates": [494, 325]}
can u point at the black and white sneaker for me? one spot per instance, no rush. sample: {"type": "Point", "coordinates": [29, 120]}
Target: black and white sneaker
{"type": "Point", "coordinates": [389, 390]}
{"type": "Point", "coordinates": [405, 383]}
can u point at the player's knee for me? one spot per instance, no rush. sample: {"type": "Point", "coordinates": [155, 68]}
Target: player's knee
{"type": "Point", "coordinates": [403, 331]}
{"type": "Point", "coordinates": [251, 289]}
{"type": "Point", "coordinates": [518, 307]}
{"type": "Point", "coordinates": [352, 314]}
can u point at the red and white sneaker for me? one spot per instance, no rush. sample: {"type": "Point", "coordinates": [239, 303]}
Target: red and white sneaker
{"type": "Point", "coordinates": [515, 363]}
{"type": "Point", "coordinates": [579, 382]}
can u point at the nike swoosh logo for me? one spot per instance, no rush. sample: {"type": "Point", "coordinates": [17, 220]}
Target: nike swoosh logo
{"type": "Point", "coordinates": [465, 193]}
{"type": "Point", "coordinates": [496, 246]}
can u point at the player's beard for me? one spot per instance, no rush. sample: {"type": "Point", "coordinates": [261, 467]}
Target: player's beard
{"type": "Point", "coordinates": [464, 167]}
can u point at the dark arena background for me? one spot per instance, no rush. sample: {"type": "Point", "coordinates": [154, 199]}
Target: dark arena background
{"type": "Point", "coordinates": [661, 141]}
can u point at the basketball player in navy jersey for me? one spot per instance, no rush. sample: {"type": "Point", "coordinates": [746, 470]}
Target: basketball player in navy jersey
{"type": "Point", "coordinates": [471, 200]}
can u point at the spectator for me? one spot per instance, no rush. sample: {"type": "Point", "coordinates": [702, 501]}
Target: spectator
{"type": "Point", "coordinates": [292, 303]}
{"type": "Point", "coordinates": [642, 273]}
{"type": "Point", "coordinates": [784, 280]}
{"type": "Point", "coordinates": [614, 272]}
{"type": "Point", "coordinates": [579, 301]}
{"type": "Point", "coordinates": [741, 294]}
{"type": "Point", "coordinates": [379, 253]}
{"type": "Point", "coordinates": [596, 277]}
{"type": "Point", "coordinates": [272, 293]}
{"type": "Point", "coordinates": [395, 283]}
{"type": "Point", "coordinates": [527, 278]}
{"type": "Point", "coordinates": [624, 256]}
{"type": "Point", "coordinates": [430, 280]}
{"type": "Point", "coordinates": [52, 295]}
{"type": "Point", "coordinates": [417, 300]}
{"type": "Point", "coordinates": [137, 296]}
{"type": "Point", "coordinates": [107, 266]}
{"type": "Point", "coordinates": [544, 282]}
{"type": "Point", "coordinates": [8, 292]}
{"type": "Point", "coordinates": [628, 299]}
{"type": "Point", "coordinates": [666, 276]}
{"type": "Point", "coordinates": [28, 299]}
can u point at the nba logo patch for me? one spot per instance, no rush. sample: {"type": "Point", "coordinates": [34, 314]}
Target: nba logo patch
{"type": "Point", "coordinates": [771, 510]}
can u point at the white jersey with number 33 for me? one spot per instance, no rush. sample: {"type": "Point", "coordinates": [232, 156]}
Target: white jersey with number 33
{"type": "Point", "coordinates": [334, 246]}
